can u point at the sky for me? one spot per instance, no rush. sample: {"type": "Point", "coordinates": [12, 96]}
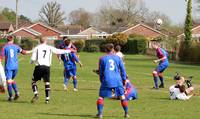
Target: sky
{"type": "Point", "coordinates": [175, 9]}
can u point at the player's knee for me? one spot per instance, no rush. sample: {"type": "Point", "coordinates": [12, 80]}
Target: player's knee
{"type": "Point", "coordinates": [47, 83]}
{"type": "Point", "coordinates": [122, 97]}
{"type": "Point", "coordinates": [100, 101]}
{"type": "Point", "coordinates": [160, 74]}
{"type": "Point", "coordinates": [155, 73]}
{"type": "Point", "coordinates": [74, 77]}
{"type": "Point", "coordinates": [9, 81]}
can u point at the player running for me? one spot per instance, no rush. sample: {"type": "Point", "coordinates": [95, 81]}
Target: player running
{"type": "Point", "coordinates": [163, 64]}
{"type": "Point", "coordinates": [10, 52]}
{"type": "Point", "coordinates": [70, 60]}
{"type": "Point", "coordinates": [42, 56]}
{"type": "Point", "coordinates": [111, 73]}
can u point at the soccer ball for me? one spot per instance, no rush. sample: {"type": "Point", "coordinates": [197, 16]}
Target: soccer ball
{"type": "Point", "coordinates": [159, 21]}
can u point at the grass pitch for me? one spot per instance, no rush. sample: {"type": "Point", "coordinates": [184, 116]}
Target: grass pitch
{"type": "Point", "coordinates": [152, 104]}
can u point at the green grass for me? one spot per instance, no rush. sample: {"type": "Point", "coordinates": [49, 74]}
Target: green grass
{"type": "Point", "coordinates": [152, 104]}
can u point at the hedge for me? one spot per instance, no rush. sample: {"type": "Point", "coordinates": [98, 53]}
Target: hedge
{"type": "Point", "coordinates": [98, 42]}
{"type": "Point", "coordinates": [135, 46]}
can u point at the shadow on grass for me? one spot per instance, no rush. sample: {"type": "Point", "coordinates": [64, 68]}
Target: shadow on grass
{"type": "Point", "coordinates": [75, 115]}
{"type": "Point", "coordinates": [17, 101]}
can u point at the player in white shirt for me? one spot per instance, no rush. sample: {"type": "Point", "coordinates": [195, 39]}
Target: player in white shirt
{"type": "Point", "coordinates": [2, 79]}
{"type": "Point", "coordinates": [118, 52]}
{"type": "Point", "coordinates": [42, 56]}
{"type": "Point", "coordinates": [179, 91]}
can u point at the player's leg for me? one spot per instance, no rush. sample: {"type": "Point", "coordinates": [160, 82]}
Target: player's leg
{"type": "Point", "coordinates": [8, 74]}
{"type": "Point", "coordinates": [155, 78]}
{"type": "Point", "coordinates": [66, 79]}
{"type": "Point", "coordinates": [124, 101]}
{"type": "Point", "coordinates": [14, 85]}
{"type": "Point", "coordinates": [104, 92]}
{"type": "Point", "coordinates": [47, 91]}
{"type": "Point", "coordinates": [74, 79]}
{"type": "Point", "coordinates": [46, 77]}
{"type": "Point", "coordinates": [35, 78]}
{"type": "Point", "coordinates": [161, 68]}
{"type": "Point", "coordinates": [100, 103]}
{"type": "Point", "coordinates": [161, 80]}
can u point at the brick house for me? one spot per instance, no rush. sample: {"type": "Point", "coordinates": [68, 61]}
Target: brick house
{"type": "Point", "coordinates": [5, 28]}
{"type": "Point", "coordinates": [38, 30]}
{"type": "Point", "coordinates": [143, 30]}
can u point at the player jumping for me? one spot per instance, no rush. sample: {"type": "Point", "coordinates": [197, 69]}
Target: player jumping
{"type": "Point", "coordinates": [163, 64]}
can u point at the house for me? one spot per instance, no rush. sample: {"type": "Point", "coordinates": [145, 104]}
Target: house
{"type": "Point", "coordinates": [195, 33]}
{"type": "Point", "coordinates": [5, 28]}
{"type": "Point", "coordinates": [38, 30]}
{"type": "Point", "coordinates": [71, 29]}
{"type": "Point", "coordinates": [90, 33]}
{"type": "Point", "coordinates": [143, 30]}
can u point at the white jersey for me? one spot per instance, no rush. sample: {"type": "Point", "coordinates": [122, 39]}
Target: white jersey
{"type": "Point", "coordinates": [176, 94]}
{"type": "Point", "coordinates": [120, 54]}
{"type": "Point", "coordinates": [2, 76]}
{"type": "Point", "coordinates": [42, 54]}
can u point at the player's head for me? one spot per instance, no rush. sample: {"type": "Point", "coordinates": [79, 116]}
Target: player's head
{"type": "Point", "coordinates": [10, 38]}
{"type": "Point", "coordinates": [117, 48]}
{"type": "Point", "coordinates": [66, 40]}
{"type": "Point", "coordinates": [109, 47]}
{"type": "Point", "coordinates": [156, 45]}
{"type": "Point", "coordinates": [42, 40]}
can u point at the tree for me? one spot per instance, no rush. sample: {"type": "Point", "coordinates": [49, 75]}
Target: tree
{"type": "Point", "coordinates": [188, 22]}
{"type": "Point", "coordinates": [114, 14]}
{"type": "Point", "coordinates": [80, 17]}
{"type": "Point", "coordinates": [51, 14]}
{"type": "Point", "coordinates": [9, 14]}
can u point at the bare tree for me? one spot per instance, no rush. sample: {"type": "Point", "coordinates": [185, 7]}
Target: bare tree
{"type": "Point", "coordinates": [51, 14]}
{"type": "Point", "coordinates": [80, 17]}
{"type": "Point", "coordinates": [115, 14]}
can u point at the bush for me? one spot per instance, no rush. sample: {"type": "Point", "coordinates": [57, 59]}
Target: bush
{"type": "Point", "coordinates": [189, 52]}
{"type": "Point", "coordinates": [28, 43]}
{"type": "Point", "coordinates": [98, 42]}
{"type": "Point", "coordinates": [118, 39]}
{"type": "Point", "coordinates": [135, 45]}
{"type": "Point", "coordinates": [93, 48]}
{"type": "Point", "coordinates": [79, 45]}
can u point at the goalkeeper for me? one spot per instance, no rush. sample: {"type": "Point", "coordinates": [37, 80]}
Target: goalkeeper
{"type": "Point", "coordinates": [179, 91]}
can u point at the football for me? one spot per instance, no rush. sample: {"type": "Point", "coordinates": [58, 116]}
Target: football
{"type": "Point", "coordinates": [159, 22]}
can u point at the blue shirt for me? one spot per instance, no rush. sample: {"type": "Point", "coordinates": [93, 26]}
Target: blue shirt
{"type": "Point", "coordinates": [69, 60]}
{"type": "Point", "coordinates": [111, 71]}
{"type": "Point", "coordinates": [10, 52]}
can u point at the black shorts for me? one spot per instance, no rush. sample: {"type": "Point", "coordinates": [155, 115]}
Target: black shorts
{"type": "Point", "coordinates": [41, 72]}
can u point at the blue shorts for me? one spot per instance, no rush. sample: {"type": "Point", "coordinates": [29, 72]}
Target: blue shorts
{"type": "Point", "coordinates": [161, 68]}
{"type": "Point", "coordinates": [132, 95]}
{"type": "Point", "coordinates": [106, 92]}
{"type": "Point", "coordinates": [69, 73]}
{"type": "Point", "coordinates": [10, 74]}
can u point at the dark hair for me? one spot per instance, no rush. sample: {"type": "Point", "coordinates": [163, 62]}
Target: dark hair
{"type": "Point", "coordinates": [117, 48]}
{"type": "Point", "coordinates": [10, 38]}
{"type": "Point", "coordinates": [109, 47]}
{"type": "Point", "coordinates": [42, 39]}
{"type": "Point", "coordinates": [65, 37]}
